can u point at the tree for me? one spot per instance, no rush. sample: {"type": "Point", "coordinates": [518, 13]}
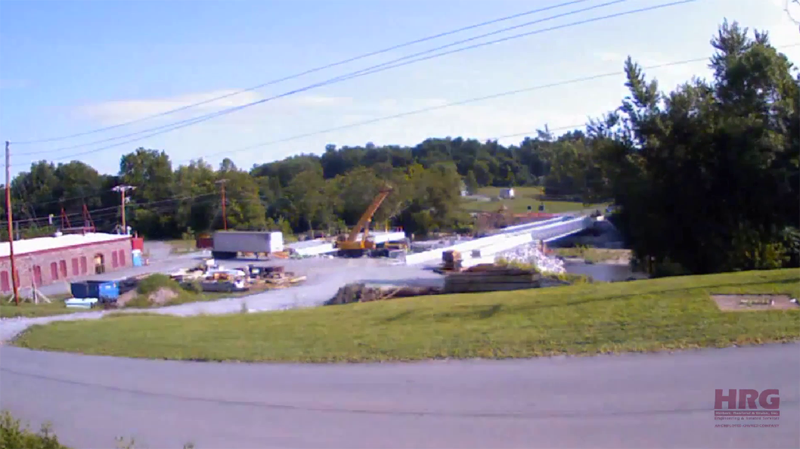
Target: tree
{"type": "Point", "coordinates": [471, 183]}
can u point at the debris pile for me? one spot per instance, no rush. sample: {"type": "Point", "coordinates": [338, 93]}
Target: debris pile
{"type": "Point", "coordinates": [210, 277]}
{"type": "Point", "coordinates": [532, 254]}
{"type": "Point", "coordinates": [351, 293]}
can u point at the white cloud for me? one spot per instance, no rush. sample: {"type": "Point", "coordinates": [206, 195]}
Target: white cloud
{"type": "Point", "coordinates": [119, 111]}
{"type": "Point", "coordinates": [610, 56]}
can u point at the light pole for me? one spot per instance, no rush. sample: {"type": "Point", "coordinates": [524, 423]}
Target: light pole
{"type": "Point", "coordinates": [122, 189]}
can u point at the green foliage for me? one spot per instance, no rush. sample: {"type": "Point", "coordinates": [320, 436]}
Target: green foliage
{"type": "Point", "coordinates": [14, 436]}
{"type": "Point", "coordinates": [155, 282]}
{"type": "Point", "coordinates": [471, 182]}
{"type": "Point", "coordinates": [193, 287]}
{"type": "Point", "coordinates": [650, 315]}
{"type": "Point", "coordinates": [706, 176]}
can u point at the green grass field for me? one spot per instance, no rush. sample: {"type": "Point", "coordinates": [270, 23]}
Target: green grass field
{"type": "Point", "coordinates": [524, 197]}
{"type": "Point", "coordinates": [651, 315]}
{"type": "Point", "coordinates": [27, 309]}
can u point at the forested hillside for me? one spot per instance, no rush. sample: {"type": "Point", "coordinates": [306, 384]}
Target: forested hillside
{"type": "Point", "coordinates": [707, 176]}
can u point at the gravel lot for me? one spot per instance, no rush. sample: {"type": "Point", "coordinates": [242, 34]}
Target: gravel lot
{"type": "Point", "coordinates": [324, 277]}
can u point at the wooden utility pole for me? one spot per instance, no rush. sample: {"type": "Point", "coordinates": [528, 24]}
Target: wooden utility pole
{"type": "Point", "coordinates": [10, 225]}
{"type": "Point", "coordinates": [222, 182]}
{"type": "Point", "coordinates": [122, 189]}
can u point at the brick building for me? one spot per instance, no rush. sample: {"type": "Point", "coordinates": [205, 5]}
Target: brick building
{"type": "Point", "coordinates": [47, 260]}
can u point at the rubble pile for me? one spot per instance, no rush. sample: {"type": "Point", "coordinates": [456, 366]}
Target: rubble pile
{"type": "Point", "coordinates": [351, 293]}
{"type": "Point", "coordinates": [532, 254]}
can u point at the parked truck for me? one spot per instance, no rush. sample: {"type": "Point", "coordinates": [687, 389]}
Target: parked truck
{"type": "Point", "coordinates": [228, 244]}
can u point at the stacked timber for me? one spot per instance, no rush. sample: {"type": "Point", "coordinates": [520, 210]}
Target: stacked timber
{"type": "Point", "coordinates": [490, 278]}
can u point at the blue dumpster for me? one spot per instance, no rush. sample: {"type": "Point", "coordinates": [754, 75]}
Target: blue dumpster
{"type": "Point", "coordinates": [105, 291]}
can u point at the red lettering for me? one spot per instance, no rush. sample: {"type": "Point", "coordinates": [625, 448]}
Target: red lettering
{"type": "Point", "coordinates": [719, 398]}
{"type": "Point", "coordinates": [765, 402]}
{"type": "Point", "coordinates": [747, 398]}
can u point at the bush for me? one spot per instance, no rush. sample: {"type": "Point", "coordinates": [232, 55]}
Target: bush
{"type": "Point", "coordinates": [668, 269]}
{"type": "Point", "coordinates": [155, 282]}
{"type": "Point", "coordinates": [192, 287]}
{"type": "Point", "coordinates": [502, 262]}
{"type": "Point", "coordinates": [573, 278]}
{"type": "Point", "coordinates": [13, 435]}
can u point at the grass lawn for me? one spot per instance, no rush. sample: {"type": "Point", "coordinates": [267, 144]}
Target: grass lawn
{"type": "Point", "coordinates": [27, 309]}
{"type": "Point", "coordinates": [651, 315]}
{"type": "Point", "coordinates": [524, 197]}
{"type": "Point", "coordinates": [182, 246]}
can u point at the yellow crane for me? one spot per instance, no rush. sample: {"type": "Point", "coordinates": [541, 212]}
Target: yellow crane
{"type": "Point", "coordinates": [351, 247]}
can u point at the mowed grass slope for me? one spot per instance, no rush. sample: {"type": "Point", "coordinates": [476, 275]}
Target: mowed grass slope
{"type": "Point", "coordinates": [524, 197]}
{"type": "Point", "coordinates": [651, 315]}
{"type": "Point", "coordinates": [28, 309]}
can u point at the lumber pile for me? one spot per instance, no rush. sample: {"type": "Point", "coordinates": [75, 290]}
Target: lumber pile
{"type": "Point", "coordinates": [490, 278]}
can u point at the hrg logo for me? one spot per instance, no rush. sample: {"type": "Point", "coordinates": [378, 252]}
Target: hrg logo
{"type": "Point", "coordinates": [747, 402]}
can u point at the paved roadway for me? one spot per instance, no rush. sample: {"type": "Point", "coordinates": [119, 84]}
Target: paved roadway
{"type": "Point", "coordinates": [654, 400]}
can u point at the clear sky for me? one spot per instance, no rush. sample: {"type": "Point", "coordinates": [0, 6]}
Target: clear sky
{"type": "Point", "coordinates": [72, 66]}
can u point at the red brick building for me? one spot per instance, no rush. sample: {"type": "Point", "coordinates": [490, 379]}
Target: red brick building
{"type": "Point", "coordinates": [47, 260]}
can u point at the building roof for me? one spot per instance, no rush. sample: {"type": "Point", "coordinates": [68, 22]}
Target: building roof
{"type": "Point", "coordinates": [38, 244]}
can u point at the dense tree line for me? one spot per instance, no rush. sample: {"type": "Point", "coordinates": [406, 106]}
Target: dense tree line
{"type": "Point", "coordinates": [706, 176]}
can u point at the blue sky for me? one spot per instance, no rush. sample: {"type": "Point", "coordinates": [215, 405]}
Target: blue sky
{"type": "Point", "coordinates": [72, 66]}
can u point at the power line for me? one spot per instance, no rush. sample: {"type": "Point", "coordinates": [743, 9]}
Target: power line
{"type": "Point", "coordinates": [428, 109]}
{"type": "Point", "coordinates": [115, 209]}
{"type": "Point", "coordinates": [457, 103]}
{"type": "Point", "coordinates": [358, 73]}
{"type": "Point", "coordinates": [308, 72]}
{"type": "Point", "coordinates": [368, 71]}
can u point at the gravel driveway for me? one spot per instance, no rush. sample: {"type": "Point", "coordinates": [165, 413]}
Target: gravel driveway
{"type": "Point", "coordinates": [324, 277]}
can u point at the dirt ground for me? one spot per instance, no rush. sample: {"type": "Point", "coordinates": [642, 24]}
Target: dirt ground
{"type": "Point", "coordinates": [743, 303]}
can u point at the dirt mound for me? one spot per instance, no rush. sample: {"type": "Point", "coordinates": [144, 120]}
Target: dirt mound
{"type": "Point", "coordinates": [162, 296]}
{"type": "Point", "coordinates": [125, 298]}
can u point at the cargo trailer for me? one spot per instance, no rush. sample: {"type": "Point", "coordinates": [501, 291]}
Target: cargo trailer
{"type": "Point", "coordinates": [228, 244]}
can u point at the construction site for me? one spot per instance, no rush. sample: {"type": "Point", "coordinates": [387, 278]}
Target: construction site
{"type": "Point", "coordinates": [506, 252]}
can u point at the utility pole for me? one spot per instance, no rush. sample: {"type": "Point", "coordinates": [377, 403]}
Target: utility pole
{"type": "Point", "coordinates": [122, 189]}
{"type": "Point", "coordinates": [10, 224]}
{"type": "Point", "coordinates": [222, 182]}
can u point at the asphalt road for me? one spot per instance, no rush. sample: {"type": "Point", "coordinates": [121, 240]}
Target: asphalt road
{"type": "Point", "coordinates": [654, 400]}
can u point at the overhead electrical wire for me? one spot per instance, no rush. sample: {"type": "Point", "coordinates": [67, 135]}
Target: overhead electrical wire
{"type": "Point", "coordinates": [104, 210]}
{"type": "Point", "coordinates": [355, 74]}
{"type": "Point", "coordinates": [307, 72]}
{"type": "Point", "coordinates": [375, 69]}
{"type": "Point", "coordinates": [403, 114]}
{"type": "Point", "coordinates": [428, 109]}
{"type": "Point", "coordinates": [457, 103]}
{"type": "Point", "coordinates": [471, 100]}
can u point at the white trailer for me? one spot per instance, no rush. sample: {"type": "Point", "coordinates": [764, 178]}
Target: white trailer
{"type": "Point", "coordinates": [228, 244]}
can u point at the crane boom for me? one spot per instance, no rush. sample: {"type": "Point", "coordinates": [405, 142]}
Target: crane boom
{"type": "Point", "coordinates": [363, 222]}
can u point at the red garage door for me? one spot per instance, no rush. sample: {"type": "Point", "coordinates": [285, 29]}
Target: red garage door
{"type": "Point", "coordinates": [37, 275]}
